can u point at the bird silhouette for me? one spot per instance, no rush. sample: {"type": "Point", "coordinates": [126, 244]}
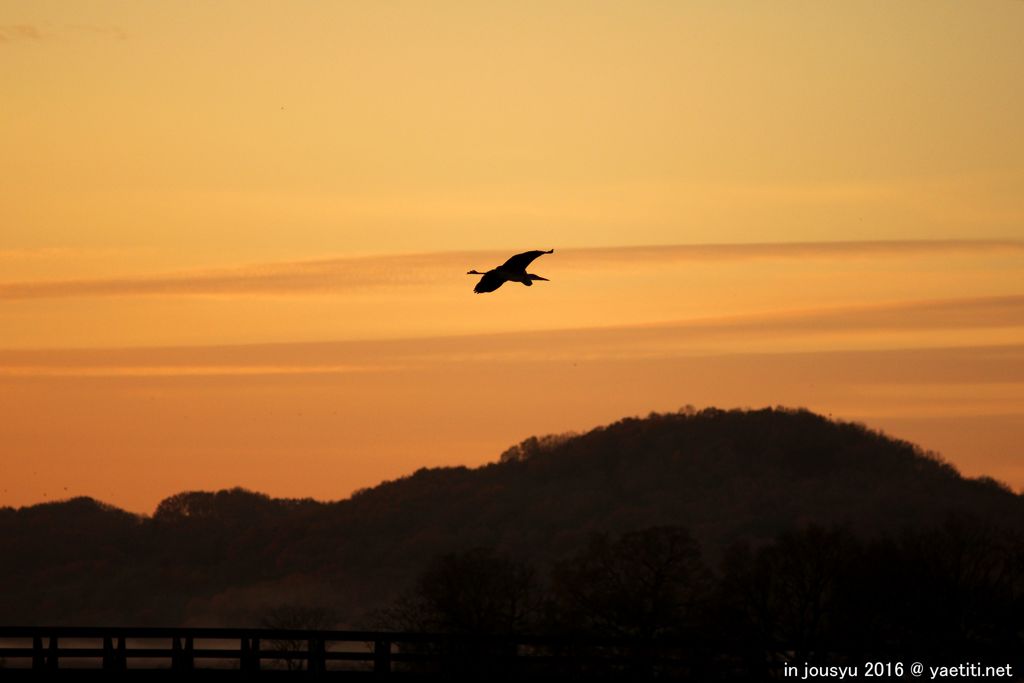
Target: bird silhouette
{"type": "Point", "coordinates": [513, 270]}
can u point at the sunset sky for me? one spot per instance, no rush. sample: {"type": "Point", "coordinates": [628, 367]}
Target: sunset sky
{"type": "Point", "coordinates": [234, 235]}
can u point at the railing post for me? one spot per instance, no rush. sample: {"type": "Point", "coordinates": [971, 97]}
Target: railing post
{"type": "Point", "coordinates": [250, 654]}
{"type": "Point", "coordinates": [108, 653]}
{"type": "Point", "coordinates": [315, 662]}
{"type": "Point", "coordinates": [121, 658]}
{"type": "Point", "coordinates": [38, 660]}
{"type": "Point", "coordinates": [175, 653]}
{"type": "Point", "coordinates": [181, 658]}
{"type": "Point", "coordinates": [52, 659]}
{"type": "Point", "coordinates": [382, 656]}
{"type": "Point", "coordinates": [244, 662]}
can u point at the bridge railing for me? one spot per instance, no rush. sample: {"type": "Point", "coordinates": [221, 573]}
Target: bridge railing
{"type": "Point", "coordinates": [379, 652]}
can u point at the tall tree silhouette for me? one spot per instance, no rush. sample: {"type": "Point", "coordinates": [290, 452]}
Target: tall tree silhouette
{"type": "Point", "coordinates": [644, 584]}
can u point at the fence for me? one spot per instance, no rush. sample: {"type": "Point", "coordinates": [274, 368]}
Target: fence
{"type": "Point", "coordinates": [328, 653]}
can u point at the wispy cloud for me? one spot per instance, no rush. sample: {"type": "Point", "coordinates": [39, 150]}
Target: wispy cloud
{"type": "Point", "coordinates": [786, 250]}
{"type": "Point", "coordinates": [112, 32]}
{"type": "Point", "coordinates": [943, 323]}
{"type": "Point", "coordinates": [269, 278]}
{"type": "Point", "coordinates": [349, 273]}
{"type": "Point", "coordinates": [11, 33]}
{"type": "Point", "coordinates": [183, 370]}
{"type": "Point", "coordinates": [66, 253]}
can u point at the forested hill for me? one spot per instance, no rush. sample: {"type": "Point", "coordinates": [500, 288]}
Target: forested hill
{"type": "Point", "coordinates": [229, 557]}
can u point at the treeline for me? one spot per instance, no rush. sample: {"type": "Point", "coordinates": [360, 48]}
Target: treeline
{"type": "Point", "coordinates": [944, 595]}
{"type": "Point", "coordinates": [231, 558]}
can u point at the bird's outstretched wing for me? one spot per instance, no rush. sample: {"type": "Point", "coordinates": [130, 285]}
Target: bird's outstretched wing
{"type": "Point", "coordinates": [489, 282]}
{"type": "Point", "coordinates": [520, 261]}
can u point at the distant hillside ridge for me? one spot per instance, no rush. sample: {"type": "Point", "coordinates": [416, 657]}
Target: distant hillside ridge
{"type": "Point", "coordinates": [227, 557]}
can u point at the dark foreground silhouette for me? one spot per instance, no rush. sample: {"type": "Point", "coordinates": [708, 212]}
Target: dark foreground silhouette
{"type": "Point", "coordinates": [643, 606]}
{"type": "Point", "coordinates": [740, 540]}
{"type": "Point", "coordinates": [189, 653]}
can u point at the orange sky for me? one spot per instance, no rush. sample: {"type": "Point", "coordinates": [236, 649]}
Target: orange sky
{"type": "Point", "coordinates": [233, 238]}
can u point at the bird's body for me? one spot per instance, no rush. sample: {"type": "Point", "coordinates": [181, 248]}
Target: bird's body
{"type": "Point", "coordinates": [513, 270]}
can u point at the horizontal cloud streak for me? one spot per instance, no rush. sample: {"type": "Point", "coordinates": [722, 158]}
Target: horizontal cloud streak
{"type": "Point", "coordinates": [11, 33]}
{"type": "Point", "coordinates": [353, 273]}
{"type": "Point", "coordinates": [185, 370]}
{"type": "Point", "coordinates": [791, 250]}
{"type": "Point", "coordinates": [932, 324]}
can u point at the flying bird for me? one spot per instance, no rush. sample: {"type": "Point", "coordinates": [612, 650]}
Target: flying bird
{"type": "Point", "coordinates": [513, 270]}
